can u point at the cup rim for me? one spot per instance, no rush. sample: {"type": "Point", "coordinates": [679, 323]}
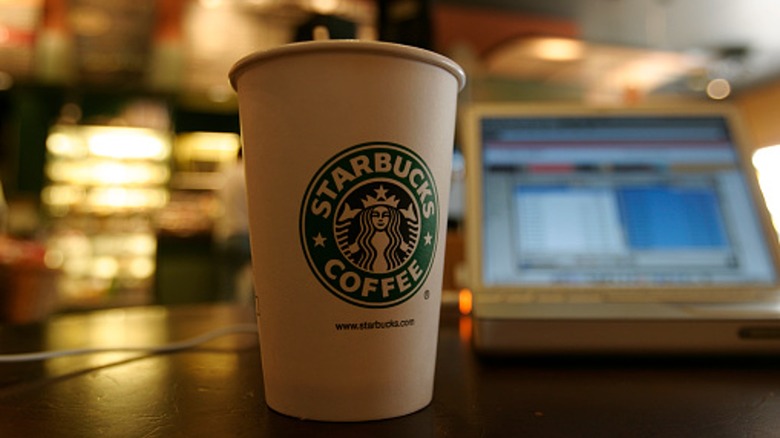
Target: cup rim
{"type": "Point", "coordinates": [366, 46]}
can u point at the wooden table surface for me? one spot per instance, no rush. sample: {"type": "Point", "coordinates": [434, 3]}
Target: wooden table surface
{"type": "Point", "coordinates": [215, 390]}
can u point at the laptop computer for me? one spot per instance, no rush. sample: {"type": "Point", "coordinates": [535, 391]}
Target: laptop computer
{"type": "Point", "coordinates": [617, 230]}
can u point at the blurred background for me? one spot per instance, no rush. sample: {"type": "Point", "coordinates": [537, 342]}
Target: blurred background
{"type": "Point", "coordinates": [118, 127]}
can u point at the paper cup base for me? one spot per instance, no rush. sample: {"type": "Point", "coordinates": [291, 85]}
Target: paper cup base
{"type": "Point", "coordinates": [339, 417]}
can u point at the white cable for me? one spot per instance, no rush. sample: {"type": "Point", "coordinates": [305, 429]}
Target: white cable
{"type": "Point", "coordinates": [165, 348]}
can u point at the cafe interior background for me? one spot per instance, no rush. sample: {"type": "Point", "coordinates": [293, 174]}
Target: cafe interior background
{"type": "Point", "coordinates": [117, 121]}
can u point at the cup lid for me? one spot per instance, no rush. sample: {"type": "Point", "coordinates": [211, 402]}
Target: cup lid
{"type": "Point", "coordinates": [381, 47]}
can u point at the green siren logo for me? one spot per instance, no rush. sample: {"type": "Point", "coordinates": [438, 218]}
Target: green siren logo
{"type": "Point", "coordinates": [369, 224]}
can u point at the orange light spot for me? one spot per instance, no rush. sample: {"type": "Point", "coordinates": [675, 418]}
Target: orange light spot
{"type": "Point", "coordinates": [465, 301]}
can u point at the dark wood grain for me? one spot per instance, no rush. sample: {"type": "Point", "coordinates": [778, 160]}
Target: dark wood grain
{"type": "Point", "coordinates": [216, 390]}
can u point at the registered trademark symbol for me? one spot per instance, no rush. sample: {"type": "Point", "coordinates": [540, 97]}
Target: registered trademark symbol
{"type": "Point", "coordinates": [426, 294]}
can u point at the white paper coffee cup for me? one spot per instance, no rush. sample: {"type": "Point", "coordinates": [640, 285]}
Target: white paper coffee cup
{"type": "Point", "coordinates": [348, 150]}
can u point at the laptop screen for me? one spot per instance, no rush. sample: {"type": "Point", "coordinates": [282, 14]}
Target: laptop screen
{"type": "Point", "coordinates": [619, 200]}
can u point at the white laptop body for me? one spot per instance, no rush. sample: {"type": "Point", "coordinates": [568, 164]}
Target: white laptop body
{"type": "Point", "coordinates": [617, 230]}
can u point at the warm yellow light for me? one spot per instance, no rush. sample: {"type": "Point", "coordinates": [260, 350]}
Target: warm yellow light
{"type": "Point", "coordinates": [767, 163]}
{"type": "Point", "coordinates": [142, 244]}
{"type": "Point", "coordinates": [324, 6]}
{"type": "Point", "coordinates": [141, 267]}
{"type": "Point", "coordinates": [211, 4]}
{"type": "Point", "coordinates": [122, 173]}
{"type": "Point", "coordinates": [557, 49]}
{"type": "Point", "coordinates": [119, 198]}
{"type": "Point", "coordinates": [53, 259]}
{"type": "Point", "coordinates": [207, 146]}
{"type": "Point", "coordinates": [108, 142]}
{"type": "Point", "coordinates": [77, 265]}
{"type": "Point", "coordinates": [62, 195]}
{"type": "Point", "coordinates": [105, 267]}
{"type": "Point", "coordinates": [59, 143]}
{"type": "Point", "coordinates": [127, 143]}
{"type": "Point", "coordinates": [107, 172]}
{"type": "Point", "coordinates": [109, 328]}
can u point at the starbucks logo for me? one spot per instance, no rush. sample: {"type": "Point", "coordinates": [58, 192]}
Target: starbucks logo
{"type": "Point", "coordinates": [369, 224]}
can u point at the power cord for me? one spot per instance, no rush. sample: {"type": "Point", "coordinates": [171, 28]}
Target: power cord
{"type": "Point", "coordinates": [165, 348]}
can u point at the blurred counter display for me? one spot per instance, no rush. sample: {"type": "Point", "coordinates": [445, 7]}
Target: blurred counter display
{"type": "Point", "coordinates": [105, 184]}
{"type": "Point", "coordinates": [187, 213]}
{"type": "Point", "coordinates": [200, 157]}
{"type": "Point", "coordinates": [199, 163]}
{"type": "Point", "coordinates": [186, 258]}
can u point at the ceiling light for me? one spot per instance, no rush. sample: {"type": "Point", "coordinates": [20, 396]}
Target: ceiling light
{"type": "Point", "coordinates": [211, 4]}
{"type": "Point", "coordinates": [324, 6]}
{"type": "Point", "coordinates": [557, 49]}
{"type": "Point", "coordinates": [718, 89]}
{"type": "Point", "coordinates": [606, 71]}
